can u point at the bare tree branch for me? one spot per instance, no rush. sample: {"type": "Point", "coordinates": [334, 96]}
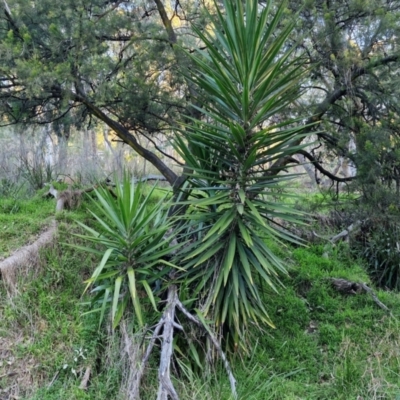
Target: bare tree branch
{"type": "Point", "coordinates": [128, 138]}
{"type": "Point", "coordinates": [325, 172]}
{"type": "Point", "coordinates": [166, 22]}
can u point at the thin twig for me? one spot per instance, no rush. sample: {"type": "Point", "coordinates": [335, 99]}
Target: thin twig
{"type": "Point", "coordinates": [227, 366]}
{"type": "Point", "coordinates": [8, 374]}
{"type": "Point", "coordinates": [53, 380]}
{"type": "Point", "coordinates": [135, 386]}
{"type": "Point", "coordinates": [161, 151]}
{"type": "Point", "coordinates": [374, 297]}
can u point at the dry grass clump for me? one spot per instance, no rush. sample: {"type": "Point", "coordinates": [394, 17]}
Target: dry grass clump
{"type": "Point", "coordinates": [15, 373]}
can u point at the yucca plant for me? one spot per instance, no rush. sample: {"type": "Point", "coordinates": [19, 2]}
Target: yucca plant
{"type": "Point", "coordinates": [225, 265]}
{"type": "Point", "coordinates": [132, 241]}
{"type": "Point", "coordinates": [248, 77]}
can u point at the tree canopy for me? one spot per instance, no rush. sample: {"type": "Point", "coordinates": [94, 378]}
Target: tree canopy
{"type": "Point", "coordinates": [353, 50]}
{"type": "Point", "coordinates": [121, 62]}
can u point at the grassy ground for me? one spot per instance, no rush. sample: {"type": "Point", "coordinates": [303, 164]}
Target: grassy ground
{"type": "Point", "coordinates": [325, 345]}
{"type": "Point", "coordinates": [21, 220]}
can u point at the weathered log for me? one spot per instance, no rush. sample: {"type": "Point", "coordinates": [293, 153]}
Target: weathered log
{"type": "Point", "coordinates": [25, 257]}
{"type": "Point", "coordinates": [348, 287]}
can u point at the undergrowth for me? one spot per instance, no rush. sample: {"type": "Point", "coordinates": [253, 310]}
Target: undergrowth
{"type": "Point", "coordinates": [325, 345]}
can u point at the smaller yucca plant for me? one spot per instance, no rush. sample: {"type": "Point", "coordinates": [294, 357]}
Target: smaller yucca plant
{"type": "Point", "coordinates": [133, 242]}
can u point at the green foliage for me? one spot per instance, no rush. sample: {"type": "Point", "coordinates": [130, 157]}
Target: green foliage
{"type": "Point", "coordinates": [51, 47]}
{"type": "Point", "coordinates": [353, 49]}
{"type": "Point", "coordinates": [36, 173]}
{"type": "Point", "coordinates": [248, 77]}
{"type": "Point", "coordinates": [325, 344]}
{"type": "Point", "coordinates": [132, 240]}
{"type": "Point", "coordinates": [332, 341]}
{"type": "Point", "coordinates": [379, 246]}
{"type": "Point", "coordinates": [43, 330]}
{"type": "Point", "coordinates": [10, 188]}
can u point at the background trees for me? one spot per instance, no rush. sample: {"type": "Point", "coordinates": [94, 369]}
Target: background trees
{"type": "Point", "coordinates": [353, 50]}
{"type": "Point", "coordinates": [117, 62]}
{"type": "Point", "coordinates": [111, 61]}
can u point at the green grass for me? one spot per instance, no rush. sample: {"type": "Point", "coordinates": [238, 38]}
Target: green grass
{"type": "Point", "coordinates": [43, 331]}
{"type": "Point", "coordinates": [21, 220]}
{"type": "Point", "coordinates": [325, 345]}
{"type": "Point", "coordinates": [342, 346]}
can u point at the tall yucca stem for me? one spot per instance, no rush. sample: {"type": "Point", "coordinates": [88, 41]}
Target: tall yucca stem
{"type": "Point", "coordinates": [248, 76]}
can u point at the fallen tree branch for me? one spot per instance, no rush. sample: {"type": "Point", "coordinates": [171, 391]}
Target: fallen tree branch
{"type": "Point", "coordinates": [12, 373]}
{"type": "Point", "coordinates": [151, 177]}
{"type": "Point", "coordinates": [133, 390]}
{"type": "Point", "coordinates": [167, 324]}
{"type": "Point", "coordinates": [85, 379]}
{"type": "Point", "coordinates": [53, 379]}
{"type": "Point", "coordinates": [166, 388]}
{"type": "Point", "coordinates": [26, 256]}
{"type": "Point", "coordinates": [69, 199]}
{"type": "Point", "coordinates": [348, 287]}
{"type": "Point", "coordinates": [344, 234]}
{"type": "Point", "coordinates": [374, 297]}
{"type": "Point", "coordinates": [216, 344]}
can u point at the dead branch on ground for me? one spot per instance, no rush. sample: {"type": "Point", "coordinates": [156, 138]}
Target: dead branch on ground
{"type": "Point", "coordinates": [216, 344]}
{"type": "Point", "coordinates": [166, 387]}
{"type": "Point", "coordinates": [85, 379]}
{"type": "Point", "coordinates": [26, 257]}
{"type": "Point", "coordinates": [374, 297]}
{"type": "Point", "coordinates": [347, 287]}
{"type": "Point", "coordinates": [342, 235]}
{"type": "Point", "coordinates": [167, 325]}
{"type": "Point", "coordinates": [69, 198]}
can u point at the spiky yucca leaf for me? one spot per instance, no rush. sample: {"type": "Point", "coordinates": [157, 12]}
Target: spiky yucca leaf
{"type": "Point", "coordinates": [133, 232]}
{"type": "Point", "coordinates": [248, 77]}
